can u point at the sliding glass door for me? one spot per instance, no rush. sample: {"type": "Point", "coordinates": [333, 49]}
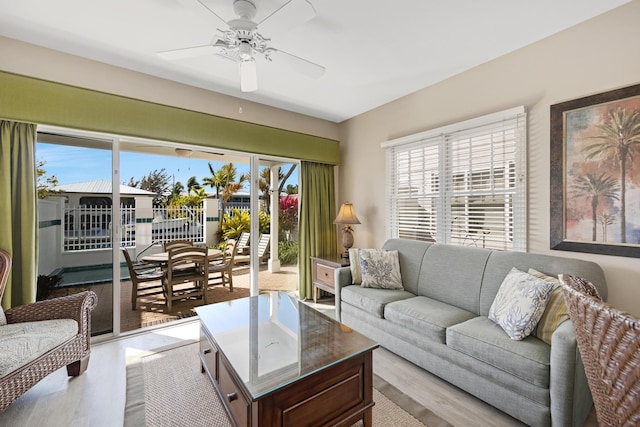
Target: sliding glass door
{"type": "Point", "coordinates": [75, 216]}
{"type": "Point", "coordinates": [163, 191]}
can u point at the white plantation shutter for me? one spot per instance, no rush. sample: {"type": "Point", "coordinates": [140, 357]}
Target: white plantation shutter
{"type": "Point", "coordinates": [462, 184]}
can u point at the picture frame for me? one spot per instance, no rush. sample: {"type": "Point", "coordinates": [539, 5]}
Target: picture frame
{"type": "Point", "coordinates": [595, 174]}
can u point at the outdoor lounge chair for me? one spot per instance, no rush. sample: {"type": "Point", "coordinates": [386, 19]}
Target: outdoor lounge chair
{"type": "Point", "coordinates": [242, 246]}
{"type": "Point", "coordinates": [42, 337]}
{"type": "Point", "coordinates": [263, 246]}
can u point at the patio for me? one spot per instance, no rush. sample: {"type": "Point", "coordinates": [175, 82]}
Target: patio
{"type": "Point", "coordinates": [151, 310]}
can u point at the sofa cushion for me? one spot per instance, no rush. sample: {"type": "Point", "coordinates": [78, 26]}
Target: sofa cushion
{"type": "Point", "coordinates": [411, 254]}
{"type": "Point", "coordinates": [556, 311]}
{"type": "Point", "coordinates": [453, 274]}
{"type": "Point", "coordinates": [3, 317]}
{"type": "Point", "coordinates": [21, 343]}
{"type": "Point", "coordinates": [427, 316]}
{"type": "Point", "coordinates": [519, 304]}
{"type": "Point", "coordinates": [483, 340]}
{"type": "Point", "coordinates": [372, 300]}
{"type": "Point", "coordinates": [380, 269]}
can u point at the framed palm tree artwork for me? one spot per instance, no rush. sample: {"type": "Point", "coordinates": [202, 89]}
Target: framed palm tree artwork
{"type": "Point", "coordinates": [595, 173]}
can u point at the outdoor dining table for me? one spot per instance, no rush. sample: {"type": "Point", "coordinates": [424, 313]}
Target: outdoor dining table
{"type": "Point", "coordinates": [163, 257]}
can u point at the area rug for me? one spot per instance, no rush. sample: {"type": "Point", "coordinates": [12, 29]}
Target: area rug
{"type": "Point", "coordinates": [166, 388]}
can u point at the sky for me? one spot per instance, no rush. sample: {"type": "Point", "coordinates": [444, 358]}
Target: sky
{"type": "Point", "coordinates": [77, 164]}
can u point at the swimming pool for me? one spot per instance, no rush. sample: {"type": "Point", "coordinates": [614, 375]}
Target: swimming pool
{"type": "Point", "coordinates": [88, 275]}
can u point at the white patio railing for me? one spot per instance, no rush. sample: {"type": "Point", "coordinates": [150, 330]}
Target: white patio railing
{"type": "Point", "coordinates": [89, 227]}
{"type": "Point", "coordinates": [182, 223]}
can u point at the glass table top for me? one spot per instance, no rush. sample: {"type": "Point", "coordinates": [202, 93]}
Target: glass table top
{"type": "Point", "coordinates": [272, 340]}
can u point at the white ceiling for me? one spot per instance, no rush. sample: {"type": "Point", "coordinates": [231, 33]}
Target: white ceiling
{"type": "Point", "coordinates": [374, 51]}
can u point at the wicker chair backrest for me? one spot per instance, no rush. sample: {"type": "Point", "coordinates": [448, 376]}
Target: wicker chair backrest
{"type": "Point", "coordinates": [5, 268]}
{"type": "Point", "coordinates": [609, 343]}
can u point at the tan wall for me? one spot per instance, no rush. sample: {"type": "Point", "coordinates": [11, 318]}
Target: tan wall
{"type": "Point", "coordinates": [596, 56]}
{"type": "Point", "coordinates": [34, 61]}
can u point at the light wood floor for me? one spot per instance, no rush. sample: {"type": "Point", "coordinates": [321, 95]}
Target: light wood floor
{"type": "Point", "coordinates": [97, 397]}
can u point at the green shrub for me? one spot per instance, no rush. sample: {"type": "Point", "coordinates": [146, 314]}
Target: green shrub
{"type": "Point", "coordinates": [235, 224]}
{"type": "Point", "coordinates": [265, 222]}
{"type": "Point", "coordinates": [288, 252]}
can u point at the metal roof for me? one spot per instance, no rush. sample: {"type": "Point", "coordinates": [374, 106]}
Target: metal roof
{"type": "Point", "coordinates": [101, 186]}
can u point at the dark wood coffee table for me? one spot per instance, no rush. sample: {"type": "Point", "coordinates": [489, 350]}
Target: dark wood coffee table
{"type": "Point", "coordinates": [278, 362]}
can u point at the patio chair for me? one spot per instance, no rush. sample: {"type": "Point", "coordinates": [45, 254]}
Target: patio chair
{"type": "Point", "coordinates": [146, 279]}
{"type": "Point", "coordinates": [186, 265]}
{"type": "Point", "coordinates": [42, 337]}
{"type": "Point", "coordinates": [609, 343]}
{"type": "Point", "coordinates": [225, 267]}
{"type": "Point", "coordinates": [263, 246]}
{"type": "Point", "coordinates": [166, 246]}
{"type": "Point", "coordinates": [243, 242]}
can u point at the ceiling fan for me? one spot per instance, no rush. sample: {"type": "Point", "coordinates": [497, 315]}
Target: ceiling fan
{"type": "Point", "coordinates": [241, 42]}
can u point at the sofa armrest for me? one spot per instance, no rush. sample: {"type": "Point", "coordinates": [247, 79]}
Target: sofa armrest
{"type": "Point", "coordinates": [571, 398]}
{"type": "Point", "coordinates": [77, 307]}
{"type": "Point", "coordinates": [342, 278]}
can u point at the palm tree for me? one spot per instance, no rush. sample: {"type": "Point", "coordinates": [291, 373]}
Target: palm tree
{"type": "Point", "coordinates": [619, 138]}
{"type": "Point", "coordinates": [224, 182]}
{"type": "Point", "coordinates": [594, 187]}
{"type": "Point", "coordinates": [215, 180]}
{"type": "Point", "coordinates": [193, 184]}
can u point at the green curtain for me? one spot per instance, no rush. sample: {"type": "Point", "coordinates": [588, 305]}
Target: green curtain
{"type": "Point", "coordinates": [317, 212]}
{"type": "Point", "coordinates": [19, 210]}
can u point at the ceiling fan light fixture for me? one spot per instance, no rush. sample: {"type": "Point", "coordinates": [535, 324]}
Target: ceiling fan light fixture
{"type": "Point", "coordinates": [248, 76]}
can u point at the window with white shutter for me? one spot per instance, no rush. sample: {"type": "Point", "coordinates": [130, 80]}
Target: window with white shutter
{"type": "Point", "coordinates": [462, 184]}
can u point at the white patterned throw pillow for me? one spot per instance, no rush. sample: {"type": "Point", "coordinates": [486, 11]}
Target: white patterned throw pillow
{"type": "Point", "coordinates": [519, 303]}
{"type": "Point", "coordinates": [380, 269]}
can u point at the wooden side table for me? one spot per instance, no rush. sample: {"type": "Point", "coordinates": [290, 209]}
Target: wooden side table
{"type": "Point", "coordinates": [324, 274]}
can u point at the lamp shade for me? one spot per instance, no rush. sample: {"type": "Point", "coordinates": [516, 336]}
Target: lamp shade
{"type": "Point", "coordinates": [346, 215]}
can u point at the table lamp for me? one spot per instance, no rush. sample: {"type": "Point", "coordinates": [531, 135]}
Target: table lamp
{"type": "Point", "coordinates": [346, 216]}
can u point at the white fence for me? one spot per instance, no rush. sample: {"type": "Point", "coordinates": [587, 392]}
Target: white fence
{"type": "Point", "coordinates": [89, 227]}
{"type": "Point", "coordinates": [178, 224]}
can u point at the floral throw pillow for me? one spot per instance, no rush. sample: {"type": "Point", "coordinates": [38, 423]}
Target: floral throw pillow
{"type": "Point", "coordinates": [380, 269]}
{"type": "Point", "coordinates": [519, 303]}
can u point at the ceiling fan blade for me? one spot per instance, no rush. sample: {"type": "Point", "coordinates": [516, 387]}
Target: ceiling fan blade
{"type": "Point", "coordinates": [191, 52]}
{"type": "Point", "coordinates": [287, 16]}
{"type": "Point", "coordinates": [301, 65]}
{"type": "Point", "coordinates": [211, 10]}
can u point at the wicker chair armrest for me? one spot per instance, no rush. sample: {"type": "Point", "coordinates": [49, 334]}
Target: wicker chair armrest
{"type": "Point", "coordinates": [77, 306]}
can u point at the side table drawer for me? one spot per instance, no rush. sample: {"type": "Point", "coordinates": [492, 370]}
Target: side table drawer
{"type": "Point", "coordinates": [325, 274]}
{"type": "Point", "coordinates": [233, 397]}
{"type": "Point", "coordinates": [209, 354]}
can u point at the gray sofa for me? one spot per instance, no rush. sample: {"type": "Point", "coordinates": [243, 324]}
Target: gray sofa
{"type": "Point", "coordinates": [439, 322]}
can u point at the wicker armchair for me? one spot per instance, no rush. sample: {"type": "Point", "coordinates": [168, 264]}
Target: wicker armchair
{"type": "Point", "coordinates": [74, 353]}
{"type": "Point", "coordinates": [609, 343]}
